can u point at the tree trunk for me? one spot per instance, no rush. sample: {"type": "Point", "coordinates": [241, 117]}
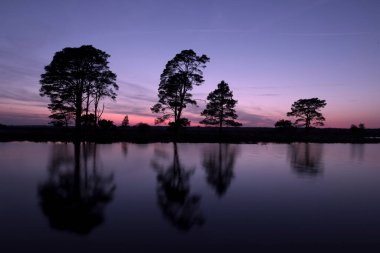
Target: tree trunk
{"type": "Point", "coordinates": [78, 113]}
{"type": "Point", "coordinates": [78, 107]}
{"type": "Point", "coordinates": [96, 102]}
{"type": "Point", "coordinates": [221, 117]}
{"type": "Point", "coordinates": [88, 102]}
{"type": "Point", "coordinates": [308, 122]}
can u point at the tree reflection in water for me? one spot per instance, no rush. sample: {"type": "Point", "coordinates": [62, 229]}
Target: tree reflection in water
{"type": "Point", "coordinates": [178, 206]}
{"type": "Point", "coordinates": [357, 151]}
{"type": "Point", "coordinates": [219, 161]}
{"type": "Point", "coordinates": [306, 158]}
{"type": "Point", "coordinates": [124, 148]}
{"type": "Point", "coordinates": [74, 196]}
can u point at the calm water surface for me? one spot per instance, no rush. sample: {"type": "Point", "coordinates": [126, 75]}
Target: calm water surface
{"type": "Point", "coordinates": [58, 197]}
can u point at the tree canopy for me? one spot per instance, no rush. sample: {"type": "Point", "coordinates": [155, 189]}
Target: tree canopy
{"type": "Point", "coordinates": [176, 81]}
{"type": "Point", "coordinates": [308, 112]}
{"type": "Point", "coordinates": [76, 78]}
{"type": "Point", "coordinates": [220, 108]}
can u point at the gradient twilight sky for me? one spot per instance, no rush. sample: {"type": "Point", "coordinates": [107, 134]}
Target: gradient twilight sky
{"type": "Point", "coordinates": [271, 52]}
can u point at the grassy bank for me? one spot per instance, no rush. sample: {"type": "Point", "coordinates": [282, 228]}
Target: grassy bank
{"type": "Point", "coordinates": [146, 134]}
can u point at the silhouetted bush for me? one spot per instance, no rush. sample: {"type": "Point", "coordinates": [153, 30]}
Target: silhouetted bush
{"type": "Point", "coordinates": [182, 122]}
{"type": "Point", "coordinates": [106, 124]}
{"type": "Point", "coordinates": [58, 124]}
{"type": "Point", "coordinates": [142, 127]}
{"type": "Point", "coordinates": [2, 126]}
{"type": "Point", "coordinates": [357, 129]}
{"type": "Point", "coordinates": [88, 120]}
{"type": "Point", "coordinates": [282, 123]}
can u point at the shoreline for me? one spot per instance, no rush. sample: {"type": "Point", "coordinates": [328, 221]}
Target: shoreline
{"type": "Point", "coordinates": [152, 134]}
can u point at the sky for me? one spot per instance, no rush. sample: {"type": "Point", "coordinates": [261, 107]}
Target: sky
{"type": "Point", "coordinates": [270, 52]}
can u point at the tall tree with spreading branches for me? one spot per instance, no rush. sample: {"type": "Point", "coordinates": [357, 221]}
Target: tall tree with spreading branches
{"type": "Point", "coordinates": [220, 110]}
{"type": "Point", "coordinates": [307, 112]}
{"type": "Point", "coordinates": [176, 82]}
{"type": "Point", "coordinates": [75, 78]}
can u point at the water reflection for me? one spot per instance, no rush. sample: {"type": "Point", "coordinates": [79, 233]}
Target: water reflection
{"type": "Point", "coordinates": [76, 191]}
{"type": "Point", "coordinates": [124, 148]}
{"type": "Point", "coordinates": [305, 158]}
{"type": "Point", "coordinates": [219, 161]}
{"type": "Point", "coordinates": [357, 151]}
{"type": "Point", "coordinates": [178, 205]}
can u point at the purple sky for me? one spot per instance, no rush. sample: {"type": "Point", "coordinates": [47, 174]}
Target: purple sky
{"type": "Point", "coordinates": [271, 52]}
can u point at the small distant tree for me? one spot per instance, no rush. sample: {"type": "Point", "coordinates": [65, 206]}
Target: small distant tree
{"type": "Point", "coordinates": [220, 108]}
{"type": "Point", "coordinates": [361, 126]}
{"type": "Point", "coordinates": [176, 81]}
{"type": "Point", "coordinates": [283, 123]}
{"type": "Point", "coordinates": [125, 121]}
{"type": "Point", "coordinates": [308, 112]}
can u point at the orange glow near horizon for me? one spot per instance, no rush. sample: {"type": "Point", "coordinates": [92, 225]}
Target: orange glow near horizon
{"type": "Point", "coordinates": [133, 118]}
{"type": "Point", "coordinates": [34, 114]}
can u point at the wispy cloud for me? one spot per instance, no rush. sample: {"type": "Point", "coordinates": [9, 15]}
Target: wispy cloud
{"type": "Point", "coordinates": [22, 95]}
{"type": "Point", "coordinates": [331, 34]}
{"type": "Point", "coordinates": [267, 95]}
{"type": "Point", "coordinates": [251, 119]}
{"type": "Point", "coordinates": [22, 118]}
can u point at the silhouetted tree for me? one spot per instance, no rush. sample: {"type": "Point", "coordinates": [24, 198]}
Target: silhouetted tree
{"type": "Point", "coordinates": [307, 110]}
{"type": "Point", "coordinates": [76, 76]}
{"type": "Point", "coordinates": [219, 165]}
{"type": "Point", "coordinates": [282, 123]}
{"type": "Point", "coordinates": [176, 81]}
{"type": "Point", "coordinates": [220, 108]}
{"type": "Point", "coordinates": [357, 129]}
{"type": "Point", "coordinates": [180, 207]}
{"type": "Point", "coordinates": [125, 121]}
{"type": "Point", "coordinates": [74, 197]}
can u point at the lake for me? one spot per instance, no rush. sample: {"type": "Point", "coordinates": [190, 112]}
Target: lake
{"type": "Point", "coordinates": [59, 197]}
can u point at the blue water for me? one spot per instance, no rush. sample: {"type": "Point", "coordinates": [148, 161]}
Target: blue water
{"type": "Point", "coordinates": [60, 197]}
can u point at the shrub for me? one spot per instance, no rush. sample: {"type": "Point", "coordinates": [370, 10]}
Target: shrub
{"type": "Point", "coordinates": [142, 126]}
{"type": "Point", "coordinates": [282, 123]}
{"type": "Point", "coordinates": [106, 124]}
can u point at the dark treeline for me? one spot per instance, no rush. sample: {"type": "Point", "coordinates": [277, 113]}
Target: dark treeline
{"type": "Point", "coordinates": [147, 134]}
